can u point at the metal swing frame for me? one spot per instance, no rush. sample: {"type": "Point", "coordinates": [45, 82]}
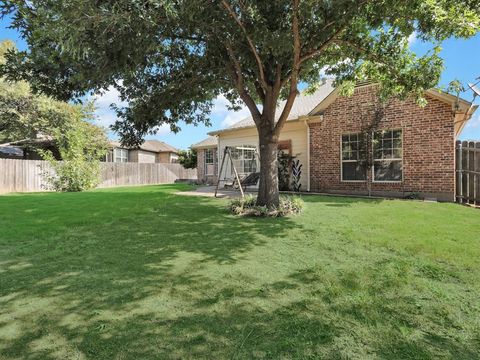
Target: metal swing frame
{"type": "Point", "coordinates": [227, 151]}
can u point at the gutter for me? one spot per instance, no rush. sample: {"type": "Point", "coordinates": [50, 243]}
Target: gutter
{"type": "Point", "coordinates": [307, 127]}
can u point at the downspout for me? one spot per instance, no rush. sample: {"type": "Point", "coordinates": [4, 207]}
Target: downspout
{"type": "Point", "coordinates": [308, 153]}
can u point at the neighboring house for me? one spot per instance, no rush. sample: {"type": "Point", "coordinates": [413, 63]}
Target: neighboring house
{"type": "Point", "coordinates": [207, 159]}
{"type": "Point", "coordinates": [27, 149]}
{"type": "Point", "coordinates": [413, 151]}
{"type": "Point", "coordinates": [151, 151]}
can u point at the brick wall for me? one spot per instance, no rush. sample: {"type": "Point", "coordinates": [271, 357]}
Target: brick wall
{"type": "Point", "coordinates": [428, 146]}
{"type": "Point", "coordinates": [202, 178]}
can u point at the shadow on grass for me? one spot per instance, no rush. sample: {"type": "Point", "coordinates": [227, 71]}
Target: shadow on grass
{"type": "Point", "coordinates": [340, 201]}
{"type": "Point", "coordinates": [144, 274]}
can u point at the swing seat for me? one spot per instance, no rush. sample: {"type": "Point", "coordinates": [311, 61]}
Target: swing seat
{"type": "Point", "coordinates": [248, 180]}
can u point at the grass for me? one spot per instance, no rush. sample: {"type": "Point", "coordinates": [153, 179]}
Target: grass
{"type": "Point", "coordinates": [142, 273]}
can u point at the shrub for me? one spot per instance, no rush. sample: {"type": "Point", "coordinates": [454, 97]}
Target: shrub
{"type": "Point", "coordinates": [246, 207]}
{"type": "Point", "coordinates": [81, 146]}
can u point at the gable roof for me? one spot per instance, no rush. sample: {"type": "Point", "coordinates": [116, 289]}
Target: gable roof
{"type": "Point", "coordinates": [302, 106]}
{"type": "Point", "coordinates": [149, 145]}
{"type": "Point", "coordinates": [210, 141]}
{"type": "Point", "coordinates": [326, 94]}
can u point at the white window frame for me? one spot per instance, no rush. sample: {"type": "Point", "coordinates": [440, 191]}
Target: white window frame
{"type": "Point", "coordinates": [240, 162]}
{"type": "Point", "coordinates": [206, 164]}
{"type": "Point", "coordinates": [387, 160]}
{"type": "Point", "coordinates": [342, 161]}
{"type": "Point", "coordinates": [122, 154]}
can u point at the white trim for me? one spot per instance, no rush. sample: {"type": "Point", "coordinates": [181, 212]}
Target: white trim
{"type": "Point", "coordinates": [205, 164]}
{"type": "Point", "coordinates": [123, 154]}
{"type": "Point", "coordinates": [308, 153]}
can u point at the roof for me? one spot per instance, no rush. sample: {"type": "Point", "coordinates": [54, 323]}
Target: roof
{"type": "Point", "coordinates": [11, 150]}
{"type": "Point", "coordinates": [210, 141]}
{"type": "Point", "coordinates": [302, 106]}
{"type": "Point", "coordinates": [308, 105]}
{"type": "Point", "coordinates": [150, 145]}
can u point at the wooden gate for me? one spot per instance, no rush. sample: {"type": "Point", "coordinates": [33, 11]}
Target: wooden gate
{"type": "Point", "coordinates": [468, 172]}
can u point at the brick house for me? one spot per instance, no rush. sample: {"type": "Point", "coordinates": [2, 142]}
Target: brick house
{"type": "Point", "coordinates": [355, 145]}
{"type": "Point", "coordinates": [207, 159]}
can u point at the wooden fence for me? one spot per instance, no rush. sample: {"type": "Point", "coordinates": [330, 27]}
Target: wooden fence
{"type": "Point", "coordinates": [468, 172]}
{"type": "Point", "coordinates": [26, 175]}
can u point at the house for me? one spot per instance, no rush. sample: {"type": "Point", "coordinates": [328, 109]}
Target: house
{"type": "Point", "coordinates": [207, 159]}
{"type": "Point", "coordinates": [411, 151]}
{"type": "Point", "coordinates": [27, 149]}
{"type": "Point", "coordinates": [151, 151]}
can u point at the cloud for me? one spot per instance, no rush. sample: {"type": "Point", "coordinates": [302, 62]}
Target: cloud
{"type": "Point", "coordinates": [227, 117]}
{"type": "Point", "coordinates": [412, 38]}
{"type": "Point", "coordinates": [163, 129]}
{"type": "Point", "coordinates": [234, 117]}
{"type": "Point", "coordinates": [105, 116]}
{"type": "Point", "coordinates": [473, 123]}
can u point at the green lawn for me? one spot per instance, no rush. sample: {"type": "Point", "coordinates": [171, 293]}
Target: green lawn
{"type": "Point", "coordinates": [142, 273]}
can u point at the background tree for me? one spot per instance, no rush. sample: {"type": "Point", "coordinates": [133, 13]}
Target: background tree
{"type": "Point", "coordinates": [171, 58]}
{"type": "Point", "coordinates": [23, 114]}
{"type": "Point", "coordinates": [188, 158]}
{"type": "Point", "coordinates": [81, 146]}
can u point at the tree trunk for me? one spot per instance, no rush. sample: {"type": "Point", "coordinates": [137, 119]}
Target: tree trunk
{"type": "Point", "coordinates": [268, 185]}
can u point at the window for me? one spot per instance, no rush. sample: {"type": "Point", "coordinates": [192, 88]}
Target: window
{"type": "Point", "coordinates": [209, 162]}
{"type": "Point", "coordinates": [353, 156]}
{"type": "Point", "coordinates": [174, 159]}
{"type": "Point", "coordinates": [120, 155]}
{"type": "Point", "coordinates": [387, 155]}
{"type": "Point", "coordinates": [244, 159]}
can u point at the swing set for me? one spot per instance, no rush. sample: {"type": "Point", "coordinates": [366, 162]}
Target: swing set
{"type": "Point", "coordinates": [236, 182]}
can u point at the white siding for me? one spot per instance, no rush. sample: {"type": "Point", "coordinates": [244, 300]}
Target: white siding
{"type": "Point", "coordinates": [295, 131]}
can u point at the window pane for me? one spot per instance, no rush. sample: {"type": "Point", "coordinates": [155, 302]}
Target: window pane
{"type": "Point", "coordinates": [208, 156]}
{"type": "Point", "coordinates": [397, 134]}
{"type": "Point", "coordinates": [397, 153]}
{"type": "Point", "coordinates": [353, 171]}
{"type": "Point", "coordinates": [387, 144]}
{"type": "Point", "coordinates": [388, 170]}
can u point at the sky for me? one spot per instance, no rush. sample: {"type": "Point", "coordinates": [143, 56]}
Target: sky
{"type": "Point", "coordinates": [462, 62]}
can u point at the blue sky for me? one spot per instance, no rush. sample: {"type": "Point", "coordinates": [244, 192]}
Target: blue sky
{"type": "Point", "coordinates": [462, 62]}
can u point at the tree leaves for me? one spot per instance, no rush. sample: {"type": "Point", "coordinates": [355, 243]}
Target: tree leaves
{"type": "Point", "coordinates": [173, 60]}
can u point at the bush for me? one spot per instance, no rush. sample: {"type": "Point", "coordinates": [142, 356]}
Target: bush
{"type": "Point", "coordinates": [81, 146]}
{"type": "Point", "coordinates": [246, 207]}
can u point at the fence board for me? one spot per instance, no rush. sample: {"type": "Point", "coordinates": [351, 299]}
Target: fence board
{"type": "Point", "coordinates": [467, 156]}
{"type": "Point", "coordinates": [27, 175]}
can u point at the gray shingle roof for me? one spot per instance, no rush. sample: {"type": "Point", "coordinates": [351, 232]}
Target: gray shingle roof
{"type": "Point", "coordinates": [302, 106]}
{"type": "Point", "coordinates": [151, 145]}
{"type": "Point", "coordinates": [211, 141]}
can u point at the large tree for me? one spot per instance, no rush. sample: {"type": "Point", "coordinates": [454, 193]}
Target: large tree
{"type": "Point", "coordinates": [171, 58]}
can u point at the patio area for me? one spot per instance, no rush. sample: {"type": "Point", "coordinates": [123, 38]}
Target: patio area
{"type": "Point", "coordinates": [209, 191]}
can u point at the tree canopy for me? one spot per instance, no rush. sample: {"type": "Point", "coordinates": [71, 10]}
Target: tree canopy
{"type": "Point", "coordinates": [171, 59]}
{"type": "Point", "coordinates": [26, 115]}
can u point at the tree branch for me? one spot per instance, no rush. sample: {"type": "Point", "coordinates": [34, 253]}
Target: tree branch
{"type": "Point", "coordinates": [295, 71]}
{"type": "Point", "coordinates": [237, 77]}
{"type": "Point", "coordinates": [260, 66]}
{"type": "Point", "coordinates": [322, 47]}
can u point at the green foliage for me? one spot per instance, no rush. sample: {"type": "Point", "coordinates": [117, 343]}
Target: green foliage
{"type": "Point", "coordinates": [25, 115]}
{"type": "Point", "coordinates": [81, 146]}
{"type": "Point", "coordinates": [296, 174]}
{"type": "Point", "coordinates": [167, 58]}
{"type": "Point", "coordinates": [284, 169]}
{"type": "Point", "coordinates": [246, 206]}
{"type": "Point", "coordinates": [188, 158]}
